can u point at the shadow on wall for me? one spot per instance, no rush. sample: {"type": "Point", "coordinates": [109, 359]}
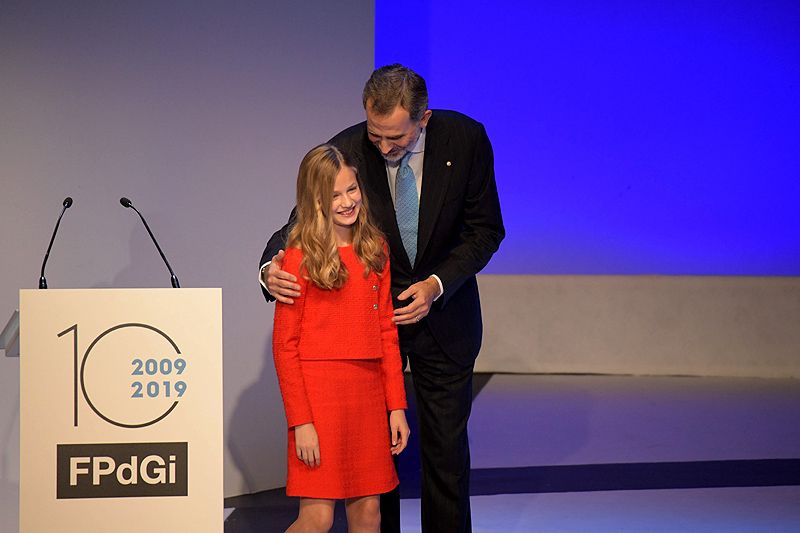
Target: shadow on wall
{"type": "Point", "coordinates": [10, 441]}
{"type": "Point", "coordinates": [9, 469]}
{"type": "Point", "coordinates": [144, 268]}
{"type": "Point", "coordinates": [253, 444]}
{"type": "Point", "coordinates": [9, 506]}
{"type": "Point", "coordinates": [255, 449]}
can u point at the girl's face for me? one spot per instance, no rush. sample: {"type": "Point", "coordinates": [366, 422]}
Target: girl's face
{"type": "Point", "coordinates": [346, 198]}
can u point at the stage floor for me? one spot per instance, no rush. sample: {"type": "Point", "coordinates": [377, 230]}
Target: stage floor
{"type": "Point", "coordinates": [610, 453]}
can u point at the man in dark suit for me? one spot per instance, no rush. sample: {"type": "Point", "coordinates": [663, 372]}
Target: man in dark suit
{"type": "Point", "coordinates": [429, 179]}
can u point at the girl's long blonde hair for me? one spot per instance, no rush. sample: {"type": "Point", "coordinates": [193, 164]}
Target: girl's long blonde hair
{"type": "Point", "coordinates": [313, 231]}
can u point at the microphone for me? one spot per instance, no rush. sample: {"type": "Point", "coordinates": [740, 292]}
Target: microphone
{"type": "Point", "coordinates": [174, 279]}
{"type": "Point", "coordinates": [42, 280]}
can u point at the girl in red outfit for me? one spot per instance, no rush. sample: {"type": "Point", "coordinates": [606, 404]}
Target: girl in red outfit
{"type": "Point", "coordinates": [336, 352]}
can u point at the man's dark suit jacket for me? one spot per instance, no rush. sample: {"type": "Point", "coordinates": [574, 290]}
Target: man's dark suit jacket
{"type": "Point", "coordinates": [460, 225]}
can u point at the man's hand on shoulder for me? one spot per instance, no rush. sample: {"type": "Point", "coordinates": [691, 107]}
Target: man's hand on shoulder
{"type": "Point", "coordinates": [280, 284]}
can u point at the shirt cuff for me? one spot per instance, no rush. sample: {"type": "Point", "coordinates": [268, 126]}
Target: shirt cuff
{"type": "Point", "coordinates": [261, 278]}
{"type": "Point", "coordinates": [441, 287]}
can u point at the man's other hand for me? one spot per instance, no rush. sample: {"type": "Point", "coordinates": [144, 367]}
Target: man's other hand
{"type": "Point", "coordinates": [422, 295]}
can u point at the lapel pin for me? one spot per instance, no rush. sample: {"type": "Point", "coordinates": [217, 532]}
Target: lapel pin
{"type": "Point", "coordinates": [449, 164]}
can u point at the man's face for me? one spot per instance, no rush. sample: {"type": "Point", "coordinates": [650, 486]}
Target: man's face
{"type": "Point", "coordinates": [394, 134]}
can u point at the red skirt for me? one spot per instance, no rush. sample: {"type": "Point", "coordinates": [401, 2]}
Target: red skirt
{"type": "Point", "coordinates": [349, 409]}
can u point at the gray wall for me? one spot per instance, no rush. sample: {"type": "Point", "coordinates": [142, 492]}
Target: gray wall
{"type": "Point", "coordinates": [200, 113]}
{"type": "Point", "coordinates": [735, 326]}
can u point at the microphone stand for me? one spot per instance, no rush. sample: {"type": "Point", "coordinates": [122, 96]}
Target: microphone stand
{"type": "Point", "coordinates": [42, 280]}
{"type": "Point", "coordinates": [173, 278]}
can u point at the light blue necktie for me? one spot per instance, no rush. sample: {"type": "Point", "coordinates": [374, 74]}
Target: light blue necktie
{"type": "Point", "coordinates": [406, 206]}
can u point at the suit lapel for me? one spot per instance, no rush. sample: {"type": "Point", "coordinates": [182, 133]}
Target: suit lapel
{"type": "Point", "coordinates": [436, 168]}
{"type": "Point", "coordinates": [435, 179]}
{"type": "Point", "coordinates": [380, 201]}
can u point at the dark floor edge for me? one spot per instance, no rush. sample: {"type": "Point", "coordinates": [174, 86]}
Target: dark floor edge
{"type": "Point", "coordinates": [636, 476]}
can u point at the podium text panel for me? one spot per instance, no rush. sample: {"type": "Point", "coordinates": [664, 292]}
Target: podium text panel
{"type": "Point", "coordinates": [121, 410]}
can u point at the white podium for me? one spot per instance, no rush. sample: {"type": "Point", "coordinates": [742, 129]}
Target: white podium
{"type": "Point", "coordinates": [121, 410]}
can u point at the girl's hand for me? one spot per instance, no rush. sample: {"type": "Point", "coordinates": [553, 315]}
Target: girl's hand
{"type": "Point", "coordinates": [399, 431]}
{"type": "Point", "coordinates": [306, 444]}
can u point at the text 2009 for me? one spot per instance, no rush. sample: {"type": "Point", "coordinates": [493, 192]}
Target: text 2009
{"type": "Point", "coordinates": [156, 388]}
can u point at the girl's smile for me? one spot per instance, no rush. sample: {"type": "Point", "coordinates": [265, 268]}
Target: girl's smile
{"type": "Point", "coordinates": [346, 204]}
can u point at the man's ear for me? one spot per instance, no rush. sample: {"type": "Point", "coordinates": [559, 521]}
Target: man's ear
{"type": "Point", "coordinates": [426, 116]}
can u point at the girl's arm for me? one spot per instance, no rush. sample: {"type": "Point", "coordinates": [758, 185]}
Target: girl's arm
{"type": "Point", "coordinates": [391, 365]}
{"type": "Point", "coordinates": [285, 342]}
{"type": "Point", "coordinates": [393, 385]}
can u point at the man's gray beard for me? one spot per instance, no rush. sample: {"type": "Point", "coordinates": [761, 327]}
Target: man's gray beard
{"type": "Point", "coordinates": [408, 148]}
{"type": "Point", "coordinates": [395, 160]}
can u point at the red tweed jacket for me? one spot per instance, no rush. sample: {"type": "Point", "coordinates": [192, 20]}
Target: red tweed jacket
{"type": "Point", "coordinates": [354, 322]}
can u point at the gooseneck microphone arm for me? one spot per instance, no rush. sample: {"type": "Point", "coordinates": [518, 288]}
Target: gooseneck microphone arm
{"type": "Point", "coordinates": [42, 280]}
{"type": "Point", "coordinates": [174, 279]}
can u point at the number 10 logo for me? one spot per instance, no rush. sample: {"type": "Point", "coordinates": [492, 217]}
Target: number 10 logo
{"type": "Point", "coordinates": [132, 375]}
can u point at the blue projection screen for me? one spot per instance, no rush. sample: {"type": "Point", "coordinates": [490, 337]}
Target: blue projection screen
{"type": "Point", "coordinates": [629, 137]}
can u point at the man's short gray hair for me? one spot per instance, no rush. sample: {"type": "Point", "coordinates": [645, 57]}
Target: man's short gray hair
{"type": "Point", "coordinates": [395, 85]}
